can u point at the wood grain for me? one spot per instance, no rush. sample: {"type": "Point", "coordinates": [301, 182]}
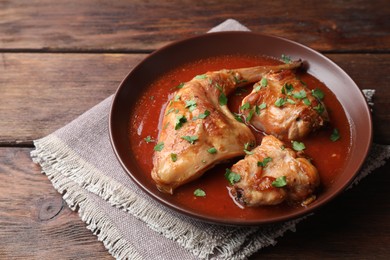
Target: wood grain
{"type": "Point", "coordinates": [140, 25]}
{"type": "Point", "coordinates": [44, 92]}
{"type": "Point", "coordinates": [60, 58]}
{"type": "Point", "coordinates": [35, 222]}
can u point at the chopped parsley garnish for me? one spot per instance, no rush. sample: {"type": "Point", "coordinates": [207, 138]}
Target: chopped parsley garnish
{"type": "Point", "coordinates": [181, 85]}
{"type": "Point", "coordinates": [300, 95]}
{"type": "Point", "coordinates": [263, 82]}
{"type": "Point", "coordinates": [264, 162]}
{"type": "Point", "coordinates": [335, 135]}
{"type": "Point", "coordinates": [148, 139]}
{"type": "Point", "coordinates": [177, 98]}
{"type": "Point", "coordinates": [287, 89]}
{"type": "Point", "coordinates": [319, 108]}
{"type": "Point", "coordinates": [232, 177]}
{"type": "Point", "coordinates": [191, 104]}
{"type": "Point", "coordinates": [250, 115]}
{"type": "Point", "coordinates": [285, 58]}
{"type": "Point", "coordinates": [190, 138]}
{"type": "Point", "coordinates": [289, 100]}
{"type": "Point", "coordinates": [212, 150]}
{"type": "Point", "coordinates": [174, 157]}
{"type": "Point", "coordinates": [245, 106]}
{"type": "Point", "coordinates": [257, 88]}
{"type": "Point", "coordinates": [280, 102]}
{"type": "Point", "coordinates": [238, 81]}
{"type": "Point", "coordinates": [262, 106]}
{"type": "Point", "coordinates": [203, 115]}
{"type": "Point", "coordinates": [158, 147]}
{"type": "Point", "coordinates": [222, 99]}
{"type": "Point", "coordinates": [238, 117]}
{"type": "Point", "coordinates": [318, 93]}
{"type": "Point", "coordinates": [280, 182]}
{"type": "Point", "coordinates": [306, 101]}
{"type": "Point", "coordinates": [170, 111]}
{"type": "Point", "coordinates": [257, 109]}
{"type": "Point", "coordinates": [219, 87]}
{"type": "Point", "coordinates": [180, 120]}
{"type": "Point", "coordinates": [298, 146]}
{"type": "Point", "coordinates": [199, 193]}
{"type": "Point", "coordinates": [248, 146]}
{"type": "Point", "coordinates": [203, 76]}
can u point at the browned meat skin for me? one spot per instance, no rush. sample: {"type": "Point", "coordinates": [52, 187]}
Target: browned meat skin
{"type": "Point", "coordinates": [284, 107]}
{"type": "Point", "coordinates": [255, 186]}
{"type": "Point", "coordinates": [197, 113]}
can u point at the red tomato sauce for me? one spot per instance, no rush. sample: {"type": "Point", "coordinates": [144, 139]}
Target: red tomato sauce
{"type": "Point", "coordinates": [328, 156]}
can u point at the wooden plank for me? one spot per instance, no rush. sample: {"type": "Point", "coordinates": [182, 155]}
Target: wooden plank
{"type": "Point", "coordinates": [46, 91]}
{"type": "Point", "coordinates": [146, 25]}
{"type": "Point", "coordinates": [37, 224]}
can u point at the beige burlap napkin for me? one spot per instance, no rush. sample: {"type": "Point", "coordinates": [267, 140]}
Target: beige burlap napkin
{"type": "Point", "coordinates": [79, 161]}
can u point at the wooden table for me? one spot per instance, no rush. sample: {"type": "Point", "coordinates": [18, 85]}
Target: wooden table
{"type": "Point", "coordinates": [59, 58]}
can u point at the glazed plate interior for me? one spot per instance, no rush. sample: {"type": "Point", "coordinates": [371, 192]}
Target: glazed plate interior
{"type": "Point", "coordinates": [239, 43]}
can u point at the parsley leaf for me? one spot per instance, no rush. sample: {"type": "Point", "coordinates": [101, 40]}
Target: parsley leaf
{"type": "Point", "coordinates": [191, 105]}
{"type": "Point", "coordinates": [180, 120]}
{"type": "Point", "coordinates": [300, 95]}
{"type": "Point", "coordinates": [174, 157]}
{"type": "Point", "coordinates": [248, 146]}
{"type": "Point", "coordinates": [263, 82]}
{"type": "Point", "coordinates": [319, 108]}
{"type": "Point", "coordinates": [280, 182]}
{"type": "Point", "coordinates": [280, 102]}
{"type": "Point", "coordinates": [158, 147]}
{"type": "Point", "coordinates": [170, 111]}
{"type": "Point", "coordinates": [289, 100]}
{"type": "Point", "coordinates": [287, 89]}
{"type": "Point", "coordinates": [232, 177]}
{"type": "Point", "coordinates": [264, 162]}
{"type": "Point", "coordinates": [250, 115]}
{"type": "Point", "coordinates": [285, 58]}
{"type": "Point", "coordinates": [306, 101]}
{"type": "Point", "coordinates": [190, 138]}
{"type": "Point", "coordinates": [298, 146]}
{"type": "Point", "coordinates": [222, 99]}
{"type": "Point", "coordinates": [181, 85]}
{"type": "Point", "coordinates": [238, 81]}
{"type": "Point", "coordinates": [335, 135]}
{"type": "Point", "coordinates": [245, 106]}
{"type": "Point", "coordinates": [203, 76]}
{"type": "Point", "coordinates": [199, 193]}
{"type": "Point", "coordinates": [203, 115]}
{"type": "Point", "coordinates": [318, 93]}
{"type": "Point", "coordinates": [148, 139]}
{"type": "Point", "coordinates": [212, 150]}
{"type": "Point", "coordinates": [238, 117]}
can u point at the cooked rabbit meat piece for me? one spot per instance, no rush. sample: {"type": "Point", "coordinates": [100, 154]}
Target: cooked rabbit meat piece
{"type": "Point", "coordinates": [280, 104]}
{"type": "Point", "coordinates": [196, 120]}
{"type": "Point", "coordinates": [273, 174]}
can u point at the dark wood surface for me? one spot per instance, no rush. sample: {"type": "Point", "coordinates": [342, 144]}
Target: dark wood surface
{"type": "Point", "coordinates": [59, 58]}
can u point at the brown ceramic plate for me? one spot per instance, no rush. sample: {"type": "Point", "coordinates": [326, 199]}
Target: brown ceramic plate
{"type": "Point", "coordinates": [246, 43]}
